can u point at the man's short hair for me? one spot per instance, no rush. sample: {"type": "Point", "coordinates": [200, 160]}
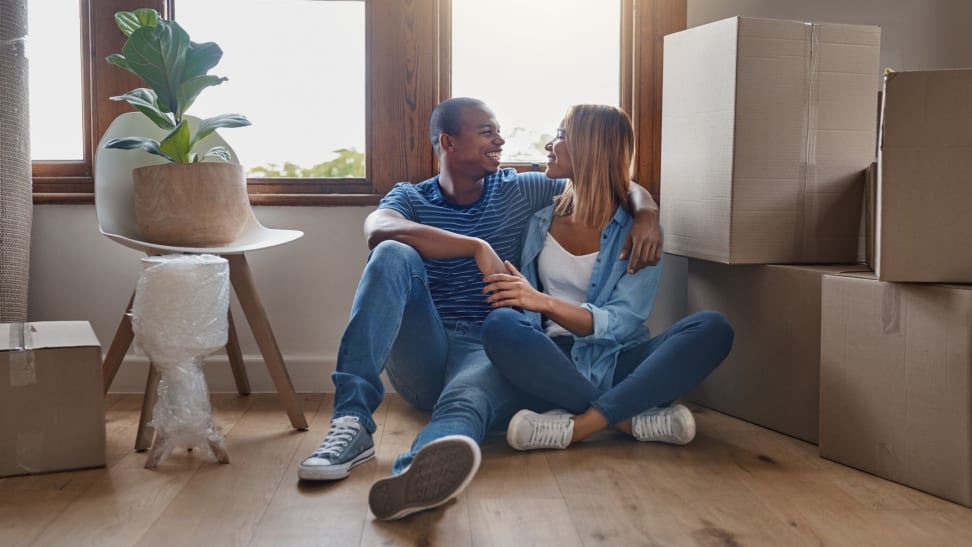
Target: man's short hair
{"type": "Point", "coordinates": [445, 118]}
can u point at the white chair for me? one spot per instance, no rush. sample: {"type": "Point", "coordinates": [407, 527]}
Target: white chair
{"type": "Point", "coordinates": [114, 205]}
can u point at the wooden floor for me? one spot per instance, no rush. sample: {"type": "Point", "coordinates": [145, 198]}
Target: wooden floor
{"type": "Point", "coordinates": [737, 484]}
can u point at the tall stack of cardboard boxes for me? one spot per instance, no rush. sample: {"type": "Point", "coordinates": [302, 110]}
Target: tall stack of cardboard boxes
{"type": "Point", "coordinates": [768, 128]}
{"type": "Point", "coordinates": [896, 344]}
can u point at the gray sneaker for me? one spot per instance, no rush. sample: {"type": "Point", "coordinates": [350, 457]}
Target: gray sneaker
{"type": "Point", "coordinates": [346, 446]}
{"type": "Point", "coordinates": [439, 472]}
{"type": "Point", "coordinates": [674, 424]}
{"type": "Point", "coordinates": [530, 430]}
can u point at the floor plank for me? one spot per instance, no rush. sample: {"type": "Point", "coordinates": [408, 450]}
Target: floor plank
{"type": "Point", "coordinates": [329, 513]}
{"type": "Point", "coordinates": [737, 484]}
{"type": "Point", "coordinates": [125, 499]}
{"type": "Point", "coordinates": [223, 503]}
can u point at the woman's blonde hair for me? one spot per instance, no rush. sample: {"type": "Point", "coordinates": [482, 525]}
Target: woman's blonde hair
{"type": "Point", "coordinates": [600, 141]}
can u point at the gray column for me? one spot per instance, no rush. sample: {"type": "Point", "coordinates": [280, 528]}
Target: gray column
{"type": "Point", "coordinates": [16, 205]}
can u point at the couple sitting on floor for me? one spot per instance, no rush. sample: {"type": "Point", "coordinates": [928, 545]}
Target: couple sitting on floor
{"type": "Point", "coordinates": [500, 299]}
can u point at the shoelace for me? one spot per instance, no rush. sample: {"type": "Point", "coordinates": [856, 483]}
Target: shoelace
{"type": "Point", "coordinates": [655, 425]}
{"type": "Point", "coordinates": [548, 433]}
{"type": "Point", "coordinates": [338, 438]}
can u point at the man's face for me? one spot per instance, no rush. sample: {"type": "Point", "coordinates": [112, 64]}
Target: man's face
{"type": "Point", "coordinates": [476, 149]}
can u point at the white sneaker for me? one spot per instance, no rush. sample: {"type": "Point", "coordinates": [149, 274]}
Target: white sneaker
{"type": "Point", "coordinates": [674, 424]}
{"type": "Point", "coordinates": [529, 430]}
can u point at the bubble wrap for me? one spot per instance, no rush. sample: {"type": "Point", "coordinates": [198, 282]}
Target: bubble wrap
{"type": "Point", "coordinates": [179, 316]}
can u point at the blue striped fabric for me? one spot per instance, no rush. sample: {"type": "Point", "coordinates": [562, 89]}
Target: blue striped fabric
{"type": "Point", "coordinates": [500, 217]}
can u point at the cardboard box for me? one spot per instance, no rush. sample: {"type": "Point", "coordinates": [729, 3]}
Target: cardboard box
{"type": "Point", "coordinates": [52, 413]}
{"type": "Point", "coordinates": [771, 376]}
{"type": "Point", "coordinates": [896, 382]}
{"type": "Point", "coordinates": [767, 127]}
{"type": "Point", "coordinates": [924, 175]}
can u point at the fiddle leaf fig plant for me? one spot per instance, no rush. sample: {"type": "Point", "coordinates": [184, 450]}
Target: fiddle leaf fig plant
{"type": "Point", "coordinates": [176, 70]}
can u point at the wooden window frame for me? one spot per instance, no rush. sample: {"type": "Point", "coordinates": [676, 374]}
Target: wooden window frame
{"type": "Point", "coordinates": [407, 71]}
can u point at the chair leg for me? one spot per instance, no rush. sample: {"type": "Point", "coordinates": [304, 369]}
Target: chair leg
{"type": "Point", "coordinates": [242, 280]}
{"type": "Point", "coordinates": [119, 346]}
{"type": "Point", "coordinates": [236, 358]}
{"type": "Point", "coordinates": [143, 439]}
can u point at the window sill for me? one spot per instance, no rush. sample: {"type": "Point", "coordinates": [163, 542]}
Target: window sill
{"type": "Point", "coordinates": [281, 192]}
{"type": "Point", "coordinates": [287, 200]}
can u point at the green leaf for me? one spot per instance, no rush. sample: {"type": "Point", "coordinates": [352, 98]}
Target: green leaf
{"type": "Point", "coordinates": [207, 126]}
{"type": "Point", "coordinates": [129, 21]}
{"type": "Point", "coordinates": [188, 91]}
{"type": "Point", "coordinates": [118, 60]}
{"type": "Point", "coordinates": [176, 143]}
{"type": "Point", "coordinates": [146, 101]}
{"type": "Point", "coordinates": [149, 145]}
{"type": "Point", "coordinates": [200, 58]}
{"type": "Point", "coordinates": [157, 55]}
{"type": "Point", "coordinates": [220, 152]}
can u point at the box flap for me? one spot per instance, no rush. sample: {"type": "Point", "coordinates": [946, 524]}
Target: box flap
{"type": "Point", "coordinates": [46, 334]}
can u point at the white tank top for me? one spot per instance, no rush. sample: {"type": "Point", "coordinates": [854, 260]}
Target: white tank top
{"type": "Point", "coordinates": [564, 276]}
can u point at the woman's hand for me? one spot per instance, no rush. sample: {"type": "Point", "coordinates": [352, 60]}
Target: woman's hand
{"type": "Point", "coordinates": [513, 290]}
{"type": "Point", "coordinates": [644, 242]}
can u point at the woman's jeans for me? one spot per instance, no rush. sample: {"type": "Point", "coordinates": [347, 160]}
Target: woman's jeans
{"type": "Point", "coordinates": [433, 365]}
{"type": "Point", "coordinates": [650, 374]}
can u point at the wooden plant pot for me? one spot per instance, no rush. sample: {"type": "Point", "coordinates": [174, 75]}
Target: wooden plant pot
{"type": "Point", "coordinates": [190, 205]}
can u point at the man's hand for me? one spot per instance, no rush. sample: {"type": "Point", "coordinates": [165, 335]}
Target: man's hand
{"type": "Point", "coordinates": [513, 290]}
{"type": "Point", "coordinates": [487, 260]}
{"type": "Point", "coordinates": [644, 242]}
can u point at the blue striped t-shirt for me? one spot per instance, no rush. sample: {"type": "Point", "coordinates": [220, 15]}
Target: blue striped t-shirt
{"type": "Point", "coordinates": [499, 216]}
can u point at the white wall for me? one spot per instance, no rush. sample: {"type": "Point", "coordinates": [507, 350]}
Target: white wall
{"type": "Point", "coordinates": [307, 286]}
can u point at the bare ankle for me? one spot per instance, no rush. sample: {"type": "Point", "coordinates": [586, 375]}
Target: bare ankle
{"type": "Point", "coordinates": [587, 423]}
{"type": "Point", "coordinates": [623, 427]}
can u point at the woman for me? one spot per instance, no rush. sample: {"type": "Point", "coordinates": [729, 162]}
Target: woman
{"type": "Point", "coordinates": [580, 342]}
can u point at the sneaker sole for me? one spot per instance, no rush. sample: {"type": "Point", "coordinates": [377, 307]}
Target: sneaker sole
{"type": "Point", "coordinates": [334, 472]}
{"type": "Point", "coordinates": [440, 471]}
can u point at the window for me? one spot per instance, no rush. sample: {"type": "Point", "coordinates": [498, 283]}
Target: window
{"type": "Point", "coordinates": [367, 77]}
{"type": "Point", "coordinates": [54, 57]}
{"type": "Point", "coordinates": [296, 69]}
{"type": "Point", "coordinates": [531, 60]}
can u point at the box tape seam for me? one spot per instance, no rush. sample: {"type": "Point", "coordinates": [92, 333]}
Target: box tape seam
{"type": "Point", "coordinates": [22, 369]}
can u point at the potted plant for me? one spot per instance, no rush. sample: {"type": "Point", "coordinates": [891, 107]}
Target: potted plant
{"type": "Point", "coordinates": [185, 201]}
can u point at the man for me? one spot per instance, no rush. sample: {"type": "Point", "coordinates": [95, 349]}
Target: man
{"type": "Point", "coordinates": [419, 307]}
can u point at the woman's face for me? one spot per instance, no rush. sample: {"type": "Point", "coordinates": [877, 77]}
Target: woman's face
{"type": "Point", "coordinates": [558, 159]}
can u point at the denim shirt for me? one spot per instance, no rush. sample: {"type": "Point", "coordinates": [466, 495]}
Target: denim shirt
{"type": "Point", "coordinates": [620, 302]}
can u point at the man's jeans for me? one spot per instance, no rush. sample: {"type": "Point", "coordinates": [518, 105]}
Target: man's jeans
{"type": "Point", "coordinates": [650, 374]}
{"type": "Point", "coordinates": [433, 365]}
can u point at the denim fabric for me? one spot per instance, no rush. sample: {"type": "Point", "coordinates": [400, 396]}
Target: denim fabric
{"type": "Point", "coordinates": [393, 322]}
{"type": "Point", "coordinates": [433, 365]}
{"type": "Point", "coordinates": [476, 399]}
{"type": "Point", "coordinates": [648, 374]}
{"type": "Point", "coordinates": [618, 301]}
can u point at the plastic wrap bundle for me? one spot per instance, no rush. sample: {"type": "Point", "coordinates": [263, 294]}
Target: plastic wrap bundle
{"type": "Point", "coordinates": [179, 317]}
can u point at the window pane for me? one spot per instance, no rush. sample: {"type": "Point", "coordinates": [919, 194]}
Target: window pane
{"type": "Point", "coordinates": [531, 60]}
{"type": "Point", "coordinates": [54, 57]}
{"type": "Point", "coordinates": [296, 69]}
